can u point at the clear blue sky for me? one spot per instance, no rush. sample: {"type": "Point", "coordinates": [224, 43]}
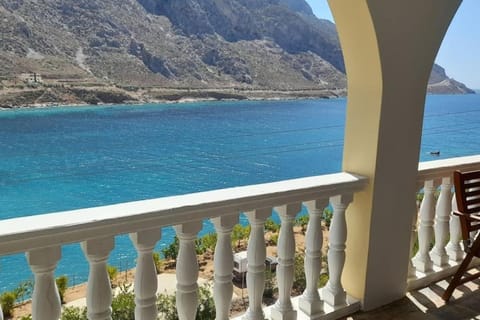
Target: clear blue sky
{"type": "Point", "coordinates": [460, 50]}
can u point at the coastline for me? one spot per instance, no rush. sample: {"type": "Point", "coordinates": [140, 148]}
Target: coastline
{"type": "Point", "coordinates": [47, 97]}
{"type": "Point", "coordinates": [54, 96]}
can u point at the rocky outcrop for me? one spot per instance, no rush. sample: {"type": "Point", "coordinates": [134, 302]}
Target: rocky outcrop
{"type": "Point", "coordinates": [440, 83]}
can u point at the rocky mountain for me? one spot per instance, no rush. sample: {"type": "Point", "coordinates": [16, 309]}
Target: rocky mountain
{"type": "Point", "coordinates": [440, 83]}
{"type": "Point", "coordinates": [143, 48]}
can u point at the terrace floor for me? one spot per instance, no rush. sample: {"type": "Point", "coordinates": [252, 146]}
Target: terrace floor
{"type": "Point", "coordinates": [427, 303]}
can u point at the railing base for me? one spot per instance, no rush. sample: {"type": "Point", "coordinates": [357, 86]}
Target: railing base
{"type": "Point", "coordinates": [329, 312]}
{"type": "Point", "coordinates": [422, 280]}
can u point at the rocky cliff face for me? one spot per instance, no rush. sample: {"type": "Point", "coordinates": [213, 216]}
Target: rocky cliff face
{"type": "Point", "coordinates": [439, 82]}
{"type": "Point", "coordinates": [199, 44]}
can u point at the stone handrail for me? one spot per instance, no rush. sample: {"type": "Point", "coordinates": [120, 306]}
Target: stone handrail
{"type": "Point", "coordinates": [42, 236]}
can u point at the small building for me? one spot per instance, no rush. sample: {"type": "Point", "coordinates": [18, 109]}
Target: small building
{"type": "Point", "coordinates": [31, 78]}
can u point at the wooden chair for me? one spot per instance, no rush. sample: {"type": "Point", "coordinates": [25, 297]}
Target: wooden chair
{"type": "Point", "coordinates": [467, 193]}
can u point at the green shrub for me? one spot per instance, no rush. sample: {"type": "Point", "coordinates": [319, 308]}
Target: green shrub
{"type": "Point", "coordinates": [10, 298]}
{"type": "Point", "coordinates": [171, 251]}
{"type": "Point", "coordinates": [239, 233]}
{"type": "Point", "coordinates": [62, 285]}
{"type": "Point", "coordinates": [322, 280]}
{"type": "Point", "coordinates": [273, 239]}
{"type": "Point", "coordinates": [299, 281]}
{"type": "Point", "coordinates": [270, 285]}
{"type": "Point", "coordinates": [206, 243]}
{"type": "Point", "coordinates": [166, 306]}
{"type": "Point", "coordinates": [205, 310]}
{"type": "Point", "coordinates": [123, 304]}
{"type": "Point", "coordinates": [23, 290]}
{"type": "Point", "coordinates": [327, 217]}
{"type": "Point", "coordinates": [29, 317]}
{"type": "Point", "coordinates": [112, 273]}
{"type": "Point", "coordinates": [157, 260]}
{"type": "Point", "coordinates": [74, 313]}
{"type": "Point", "coordinates": [271, 225]}
{"type": "Point", "coordinates": [302, 221]}
{"type": "Point", "coordinates": [8, 302]}
{"type": "Point", "coordinates": [123, 307]}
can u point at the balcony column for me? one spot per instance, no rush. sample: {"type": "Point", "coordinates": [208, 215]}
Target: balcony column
{"type": "Point", "coordinates": [442, 217]}
{"type": "Point", "coordinates": [45, 298]}
{"type": "Point", "coordinates": [422, 261]}
{"type": "Point", "coordinates": [333, 293]}
{"type": "Point", "coordinates": [187, 270]}
{"type": "Point", "coordinates": [223, 265]}
{"type": "Point", "coordinates": [310, 302]}
{"type": "Point", "coordinates": [256, 255]}
{"type": "Point", "coordinates": [146, 274]}
{"type": "Point", "coordinates": [454, 249]}
{"type": "Point", "coordinates": [283, 309]}
{"type": "Point", "coordinates": [99, 288]}
{"type": "Point", "coordinates": [389, 48]}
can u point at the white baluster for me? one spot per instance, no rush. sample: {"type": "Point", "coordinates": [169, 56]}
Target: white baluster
{"type": "Point", "coordinates": [223, 265]}
{"type": "Point", "coordinates": [422, 260]}
{"type": "Point", "coordinates": [99, 290]}
{"type": "Point", "coordinates": [442, 216]}
{"type": "Point", "coordinates": [454, 248]}
{"type": "Point", "coordinates": [283, 309]}
{"type": "Point", "coordinates": [187, 270]}
{"type": "Point", "coordinates": [333, 293]}
{"type": "Point", "coordinates": [45, 298]}
{"type": "Point", "coordinates": [413, 237]}
{"type": "Point", "coordinates": [256, 255]}
{"type": "Point", "coordinates": [310, 302]}
{"type": "Point", "coordinates": [1, 313]}
{"type": "Point", "coordinates": [145, 274]}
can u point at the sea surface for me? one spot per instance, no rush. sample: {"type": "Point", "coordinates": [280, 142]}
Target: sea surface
{"type": "Point", "coordinates": [64, 158]}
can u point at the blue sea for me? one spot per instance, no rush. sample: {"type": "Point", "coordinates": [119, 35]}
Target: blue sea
{"type": "Point", "coordinates": [64, 158]}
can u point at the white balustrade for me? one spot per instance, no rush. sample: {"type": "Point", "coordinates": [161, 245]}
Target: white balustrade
{"type": "Point", "coordinates": [333, 293]}
{"type": "Point", "coordinates": [422, 261]}
{"type": "Point", "coordinates": [99, 289]}
{"type": "Point", "coordinates": [437, 224]}
{"type": "Point", "coordinates": [223, 265]}
{"type": "Point", "coordinates": [283, 308]}
{"type": "Point", "coordinates": [42, 237]}
{"type": "Point", "coordinates": [45, 298]}
{"type": "Point", "coordinates": [310, 302]}
{"type": "Point", "coordinates": [454, 249]}
{"type": "Point", "coordinates": [442, 217]}
{"type": "Point", "coordinates": [145, 274]}
{"type": "Point", "coordinates": [187, 270]}
{"type": "Point", "coordinates": [256, 255]}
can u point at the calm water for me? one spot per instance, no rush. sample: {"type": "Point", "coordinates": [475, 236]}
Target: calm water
{"type": "Point", "coordinates": [67, 158]}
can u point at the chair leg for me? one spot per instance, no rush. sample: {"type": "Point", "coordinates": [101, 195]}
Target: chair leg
{"type": "Point", "coordinates": [455, 282]}
{"type": "Point", "coordinates": [457, 277]}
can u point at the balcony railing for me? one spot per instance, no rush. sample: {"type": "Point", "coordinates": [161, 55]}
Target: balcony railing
{"type": "Point", "coordinates": [436, 233]}
{"type": "Point", "coordinates": [41, 238]}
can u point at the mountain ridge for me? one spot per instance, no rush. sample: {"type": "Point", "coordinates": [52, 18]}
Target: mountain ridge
{"type": "Point", "coordinates": [141, 47]}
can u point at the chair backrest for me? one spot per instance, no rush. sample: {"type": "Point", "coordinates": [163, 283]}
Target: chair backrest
{"type": "Point", "coordinates": [467, 191]}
